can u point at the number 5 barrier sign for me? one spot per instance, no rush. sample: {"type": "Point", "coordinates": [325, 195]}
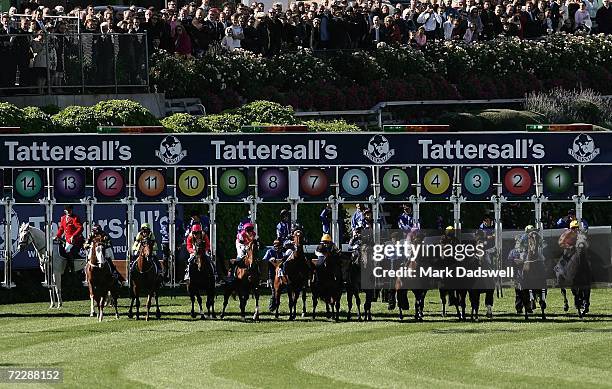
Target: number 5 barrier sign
{"type": "Point", "coordinates": [396, 183]}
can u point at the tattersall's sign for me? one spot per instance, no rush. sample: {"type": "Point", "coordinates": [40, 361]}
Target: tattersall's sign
{"type": "Point", "coordinates": [306, 149]}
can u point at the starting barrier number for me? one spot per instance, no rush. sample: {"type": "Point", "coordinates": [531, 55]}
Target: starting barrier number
{"type": "Point", "coordinates": [272, 182]}
{"type": "Point", "coordinates": [28, 184]}
{"type": "Point", "coordinates": [355, 182]}
{"type": "Point", "coordinates": [314, 182]}
{"type": "Point", "coordinates": [191, 182]}
{"type": "Point", "coordinates": [395, 181]}
{"type": "Point", "coordinates": [436, 181]}
{"type": "Point", "coordinates": [558, 180]}
{"type": "Point", "coordinates": [69, 183]}
{"type": "Point", "coordinates": [110, 183]}
{"type": "Point", "coordinates": [518, 181]}
{"type": "Point", "coordinates": [233, 182]}
{"type": "Point", "coordinates": [477, 181]}
{"type": "Point", "coordinates": [151, 183]}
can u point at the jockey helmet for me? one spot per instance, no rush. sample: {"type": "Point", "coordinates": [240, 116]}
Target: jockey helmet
{"type": "Point", "coordinates": [529, 228]}
{"type": "Point", "coordinates": [249, 226]}
{"type": "Point", "coordinates": [574, 224]}
{"type": "Point", "coordinates": [96, 229]}
{"type": "Point", "coordinates": [288, 244]}
{"type": "Point", "coordinates": [277, 243]}
{"type": "Point", "coordinates": [145, 226]}
{"type": "Point", "coordinates": [326, 238]}
{"type": "Point", "coordinates": [449, 229]}
{"type": "Point", "coordinates": [196, 228]}
{"type": "Point", "coordinates": [284, 213]}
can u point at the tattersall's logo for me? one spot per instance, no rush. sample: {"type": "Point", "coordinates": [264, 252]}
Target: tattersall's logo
{"type": "Point", "coordinates": [583, 148]}
{"type": "Point", "coordinates": [378, 150]}
{"type": "Point", "coordinates": [170, 150]}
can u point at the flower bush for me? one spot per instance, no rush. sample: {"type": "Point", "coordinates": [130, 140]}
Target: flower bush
{"type": "Point", "coordinates": [502, 68]}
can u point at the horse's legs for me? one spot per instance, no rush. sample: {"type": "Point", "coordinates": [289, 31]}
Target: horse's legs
{"type": "Point", "coordinates": [586, 299]}
{"type": "Point", "coordinates": [148, 306]}
{"type": "Point", "coordinates": [443, 301]}
{"type": "Point", "coordinates": [543, 293]}
{"type": "Point", "coordinates": [256, 295]}
{"type": "Point", "coordinates": [138, 306]}
{"type": "Point", "coordinates": [101, 302]}
{"type": "Point", "coordinates": [58, 288]}
{"type": "Point", "coordinates": [315, 302]}
{"type": "Point", "coordinates": [474, 295]}
{"type": "Point", "coordinates": [199, 297]}
{"type": "Point", "coordinates": [367, 304]}
{"type": "Point", "coordinates": [349, 303]}
{"type": "Point", "coordinates": [304, 302]}
{"type": "Point", "coordinates": [210, 302]}
{"type": "Point", "coordinates": [565, 302]}
{"type": "Point", "coordinates": [192, 298]}
{"type": "Point", "coordinates": [132, 299]}
{"type": "Point", "coordinates": [226, 295]}
{"type": "Point", "coordinates": [242, 299]}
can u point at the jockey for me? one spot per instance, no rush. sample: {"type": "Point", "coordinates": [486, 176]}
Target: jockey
{"type": "Point", "coordinates": [565, 221]}
{"type": "Point", "coordinates": [273, 257]}
{"type": "Point", "coordinates": [325, 249]}
{"type": "Point", "coordinates": [243, 222]}
{"type": "Point", "coordinates": [145, 235]}
{"type": "Point", "coordinates": [357, 218]}
{"type": "Point", "coordinates": [326, 219]}
{"type": "Point", "coordinates": [406, 221]}
{"type": "Point", "coordinates": [195, 218]}
{"type": "Point", "coordinates": [283, 228]}
{"type": "Point", "coordinates": [243, 239]}
{"type": "Point", "coordinates": [71, 229]}
{"type": "Point", "coordinates": [198, 235]}
{"type": "Point", "coordinates": [107, 248]}
{"type": "Point", "coordinates": [488, 227]}
{"type": "Point", "coordinates": [486, 236]}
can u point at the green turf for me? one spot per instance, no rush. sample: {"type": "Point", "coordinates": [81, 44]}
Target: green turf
{"type": "Point", "coordinates": [177, 351]}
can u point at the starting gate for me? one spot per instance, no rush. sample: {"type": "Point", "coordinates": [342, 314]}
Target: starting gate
{"type": "Point", "coordinates": [121, 180]}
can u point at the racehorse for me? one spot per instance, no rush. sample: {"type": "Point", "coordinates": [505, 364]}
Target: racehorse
{"type": "Point", "coordinates": [327, 285]}
{"type": "Point", "coordinates": [412, 262]}
{"type": "Point", "coordinates": [351, 274]}
{"type": "Point", "coordinates": [144, 278]}
{"type": "Point", "coordinates": [246, 281]}
{"type": "Point", "coordinates": [100, 278]}
{"type": "Point", "coordinates": [574, 270]}
{"type": "Point", "coordinates": [295, 277]}
{"type": "Point", "coordinates": [29, 235]}
{"type": "Point", "coordinates": [532, 278]}
{"type": "Point", "coordinates": [201, 278]}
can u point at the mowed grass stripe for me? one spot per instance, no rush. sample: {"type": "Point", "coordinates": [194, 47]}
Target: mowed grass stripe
{"type": "Point", "coordinates": [178, 351]}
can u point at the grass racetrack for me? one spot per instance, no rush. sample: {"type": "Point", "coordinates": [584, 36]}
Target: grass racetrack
{"type": "Point", "coordinates": [178, 351]}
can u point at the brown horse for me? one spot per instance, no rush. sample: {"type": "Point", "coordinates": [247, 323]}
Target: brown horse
{"type": "Point", "coordinates": [100, 278]}
{"type": "Point", "coordinates": [201, 278]}
{"type": "Point", "coordinates": [144, 278]}
{"type": "Point", "coordinates": [296, 276]}
{"type": "Point", "coordinates": [245, 282]}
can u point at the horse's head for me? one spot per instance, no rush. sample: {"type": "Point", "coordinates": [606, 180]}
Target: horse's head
{"type": "Point", "coordinates": [25, 236]}
{"type": "Point", "coordinates": [582, 241]}
{"type": "Point", "coordinates": [297, 237]}
{"type": "Point", "coordinates": [146, 249]}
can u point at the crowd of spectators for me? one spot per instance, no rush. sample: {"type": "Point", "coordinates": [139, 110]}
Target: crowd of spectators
{"type": "Point", "coordinates": [195, 28]}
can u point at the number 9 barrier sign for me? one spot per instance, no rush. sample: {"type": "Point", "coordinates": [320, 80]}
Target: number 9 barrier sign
{"type": "Point", "coordinates": [232, 183]}
{"type": "Point", "coordinates": [191, 184]}
{"type": "Point", "coordinates": [69, 184]}
{"type": "Point", "coordinates": [355, 183]}
{"type": "Point", "coordinates": [150, 183]}
{"type": "Point", "coordinates": [272, 183]}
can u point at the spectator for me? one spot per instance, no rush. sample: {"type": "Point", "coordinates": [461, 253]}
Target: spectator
{"type": "Point", "coordinates": [604, 18]}
{"type": "Point", "coordinates": [582, 18]}
{"type": "Point", "coordinates": [420, 37]}
{"type": "Point", "coordinates": [430, 19]}
{"type": "Point", "coordinates": [378, 33]}
{"type": "Point", "coordinates": [182, 42]}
